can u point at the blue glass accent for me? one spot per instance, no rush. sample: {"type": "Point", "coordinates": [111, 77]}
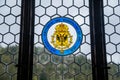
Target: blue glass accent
{"type": "Point", "coordinates": [67, 51]}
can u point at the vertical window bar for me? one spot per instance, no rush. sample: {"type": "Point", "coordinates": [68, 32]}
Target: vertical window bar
{"type": "Point", "coordinates": [26, 41]}
{"type": "Point", "coordinates": [98, 49]}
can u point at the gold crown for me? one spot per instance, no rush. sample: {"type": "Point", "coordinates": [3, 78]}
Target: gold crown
{"type": "Point", "coordinates": [61, 27]}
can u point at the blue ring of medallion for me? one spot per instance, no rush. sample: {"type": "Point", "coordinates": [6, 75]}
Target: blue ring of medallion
{"type": "Point", "coordinates": [67, 51]}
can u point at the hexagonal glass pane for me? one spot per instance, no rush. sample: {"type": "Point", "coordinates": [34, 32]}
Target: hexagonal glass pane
{"type": "Point", "coordinates": [6, 58]}
{"type": "Point", "coordinates": [78, 3]}
{"type": "Point", "coordinates": [117, 10]}
{"type": "Point", "coordinates": [38, 29]}
{"type": "Point", "coordinates": [113, 3]}
{"type": "Point", "coordinates": [116, 57]}
{"type": "Point", "coordinates": [50, 68]}
{"type": "Point", "coordinates": [56, 3]}
{"type": "Point", "coordinates": [108, 11]}
{"type": "Point", "coordinates": [73, 11]}
{"type": "Point", "coordinates": [56, 59]}
{"type": "Point", "coordinates": [67, 4]}
{"type": "Point", "coordinates": [4, 10]}
{"type": "Point", "coordinates": [2, 2]}
{"type": "Point", "coordinates": [86, 69]}
{"type": "Point", "coordinates": [109, 29]}
{"type": "Point", "coordinates": [62, 68]}
{"type": "Point", "coordinates": [79, 19]}
{"type": "Point", "coordinates": [51, 11]}
{"type": "Point", "coordinates": [110, 48]}
{"type": "Point", "coordinates": [44, 19]}
{"type": "Point", "coordinates": [16, 10]}
{"type": "Point", "coordinates": [74, 68]}
{"type": "Point", "coordinates": [80, 59]}
{"type": "Point", "coordinates": [85, 48]}
{"type": "Point", "coordinates": [37, 2]}
{"type": "Point", "coordinates": [69, 59]}
{"type": "Point", "coordinates": [62, 11]}
{"type": "Point", "coordinates": [4, 28]}
{"type": "Point", "coordinates": [84, 11]}
{"type": "Point", "coordinates": [15, 29]}
{"type": "Point", "coordinates": [45, 3]}
{"type": "Point", "coordinates": [114, 68]}
{"type": "Point", "coordinates": [8, 38]}
{"type": "Point", "coordinates": [11, 69]}
{"type": "Point", "coordinates": [13, 49]}
{"type": "Point", "coordinates": [115, 38]}
{"type": "Point", "coordinates": [114, 20]}
{"type": "Point", "coordinates": [10, 19]}
{"type": "Point", "coordinates": [39, 11]}
{"type": "Point", "coordinates": [85, 29]}
{"type": "Point", "coordinates": [11, 3]}
{"type": "Point", "coordinates": [44, 58]}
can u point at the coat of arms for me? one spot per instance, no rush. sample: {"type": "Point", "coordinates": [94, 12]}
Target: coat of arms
{"type": "Point", "coordinates": [61, 39]}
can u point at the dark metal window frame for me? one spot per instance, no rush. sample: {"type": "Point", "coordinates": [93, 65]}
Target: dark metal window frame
{"type": "Point", "coordinates": [98, 50]}
{"type": "Point", "coordinates": [25, 63]}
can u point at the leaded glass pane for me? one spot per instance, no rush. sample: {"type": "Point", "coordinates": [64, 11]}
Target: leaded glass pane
{"type": "Point", "coordinates": [9, 38]}
{"type": "Point", "coordinates": [48, 66]}
{"type": "Point", "coordinates": [112, 33]}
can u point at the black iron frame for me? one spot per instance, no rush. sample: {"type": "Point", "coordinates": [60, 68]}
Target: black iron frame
{"type": "Point", "coordinates": [99, 63]}
{"type": "Point", "coordinates": [98, 49]}
{"type": "Point", "coordinates": [25, 64]}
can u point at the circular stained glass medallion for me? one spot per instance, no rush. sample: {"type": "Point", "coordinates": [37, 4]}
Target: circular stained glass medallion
{"type": "Point", "coordinates": [62, 36]}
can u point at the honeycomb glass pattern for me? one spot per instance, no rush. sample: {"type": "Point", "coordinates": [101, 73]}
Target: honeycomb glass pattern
{"type": "Point", "coordinates": [112, 34]}
{"type": "Point", "coordinates": [76, 66]}
{"type": "Point", "coordinates": [9, 38]}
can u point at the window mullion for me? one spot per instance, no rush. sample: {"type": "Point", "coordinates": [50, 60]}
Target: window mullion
{"type": "Point", "coordinates": [98, 49]}
{"type": "Point", "coordinates": [26, 41]}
